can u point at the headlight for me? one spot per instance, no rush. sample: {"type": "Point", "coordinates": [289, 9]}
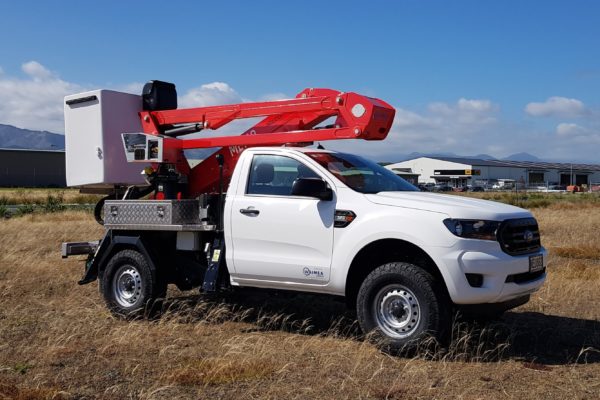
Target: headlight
{"type": "Point", "coordinates": [473, 228]}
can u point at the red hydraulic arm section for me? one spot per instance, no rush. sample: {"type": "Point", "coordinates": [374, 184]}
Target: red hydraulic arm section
{"type": "Point", "coordinates": [285, 122]}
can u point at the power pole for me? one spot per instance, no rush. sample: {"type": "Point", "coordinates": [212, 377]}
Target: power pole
{"type": "Point", "coordinates": [571, 174]}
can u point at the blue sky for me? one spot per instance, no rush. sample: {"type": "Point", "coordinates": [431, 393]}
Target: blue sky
{"type": "Point", "coordinates": [467, 77]}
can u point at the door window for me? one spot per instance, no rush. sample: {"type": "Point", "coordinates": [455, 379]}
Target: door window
{"type": "Point", "coordinates": [275, 175]}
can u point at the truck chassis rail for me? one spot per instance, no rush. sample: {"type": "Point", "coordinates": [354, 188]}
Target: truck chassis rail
{"type": "Point", "coordinates": [160, 227]}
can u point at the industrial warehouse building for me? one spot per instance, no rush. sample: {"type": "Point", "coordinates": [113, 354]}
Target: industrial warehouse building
{"type": "Point", "coordinates": [46, 168]}
{"type": "Point", "coordinates": [32, 168]}
{"type": "Point", "coordinates": [459, 172]}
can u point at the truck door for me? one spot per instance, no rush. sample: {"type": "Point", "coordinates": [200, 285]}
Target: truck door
{"type": "Point", "coordinates": [277, 236]}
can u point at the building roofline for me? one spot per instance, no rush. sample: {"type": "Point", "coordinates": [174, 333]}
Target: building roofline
{"type": "Point", "coordinates": [514, 164]}
{"type": "Point", "coordinates": [33, 150]}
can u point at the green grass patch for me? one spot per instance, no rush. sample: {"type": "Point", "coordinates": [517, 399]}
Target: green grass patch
{"type": "Point", "coordinates": [22, 368]}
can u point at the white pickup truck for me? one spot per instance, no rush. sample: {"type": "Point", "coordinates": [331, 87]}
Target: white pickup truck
{"type": "Point", "coordinates": [292, 218]}
{"type": "Point", "coordinates": [320, 221]}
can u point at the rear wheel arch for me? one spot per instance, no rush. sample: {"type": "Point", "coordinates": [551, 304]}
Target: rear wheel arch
{"type": "Point", "coordinates": [126, 242]}
{"type": "Point", "coordinates": [384, 251]}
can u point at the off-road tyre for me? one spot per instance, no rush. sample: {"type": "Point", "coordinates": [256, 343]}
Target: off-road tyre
{"type": "Point", "coordinates": [130, 288]}
{"type": "Point", "coordinates": [403, 309]}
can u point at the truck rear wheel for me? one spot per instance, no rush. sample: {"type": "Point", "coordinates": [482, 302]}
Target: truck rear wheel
{"type": "Point", "coordinates": [401, 305]}
{"type": "Point", "coordinates": [129, 287]}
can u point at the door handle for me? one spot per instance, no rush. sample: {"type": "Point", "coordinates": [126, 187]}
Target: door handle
{"type": "Point", "coordinates": [249, 211]}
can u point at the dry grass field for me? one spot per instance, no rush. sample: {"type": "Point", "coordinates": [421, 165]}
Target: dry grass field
{"type": "Point", "coordinates": [41, 196]}
{"type": "Point", "coordinates": [58, 341]}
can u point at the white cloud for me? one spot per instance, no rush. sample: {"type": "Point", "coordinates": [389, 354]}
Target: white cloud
{"type": "Point", "coordinates": [577, 134]}
{"type": "Point", "coordinates": [475, 105]}
{"type": "Point", "coordinates": [405, 119]}
{"type": "Point", "coordinates": [217, 93]}
{"type": "Point", "coordinates": [36, 71]}
{"type": "Point", "coordinates": [210, 94]}
{"type": "Point", "coordinates": [463, 106]}
{"type": "Point", "coordinates": [444, 124]}
{"type": "Point", "coordinates": [35, 102]}
{"type": "Point", "coordinates": [464, 112]}
{"type": "Point", "coordinates": [569, 129]}
{"type": "Point", "coordinates": [556, 107]}
{"type": "Point", "coordinates": [462, 127]}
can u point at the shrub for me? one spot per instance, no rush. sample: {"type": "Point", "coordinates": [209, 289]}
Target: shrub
{"type": "Point", "coordinates": [25, 209]}
{"type": "Point", "coordinates": [54, 203]}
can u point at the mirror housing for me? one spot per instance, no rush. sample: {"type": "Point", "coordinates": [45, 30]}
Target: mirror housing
{"type": "Point", "coordinates": [312, 187]}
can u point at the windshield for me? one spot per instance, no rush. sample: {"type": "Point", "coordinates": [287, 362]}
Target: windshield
{"type": "Point", "coordinates": [361, 175]}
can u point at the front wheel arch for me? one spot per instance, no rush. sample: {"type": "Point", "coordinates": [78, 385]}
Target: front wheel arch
{"type": "Point", "coordinates": [384, 251]}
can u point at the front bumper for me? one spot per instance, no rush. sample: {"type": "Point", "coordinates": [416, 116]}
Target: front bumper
{"type": "Point", "coordinates": [497, 268]}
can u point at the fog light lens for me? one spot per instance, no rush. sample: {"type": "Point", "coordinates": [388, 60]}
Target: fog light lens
{"type": "Point", "coordinates": [475, 280]}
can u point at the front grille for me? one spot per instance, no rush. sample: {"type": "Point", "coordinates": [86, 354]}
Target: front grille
{"type": "Point", "coordinates": [525, 276]}
{"type": "Point", "coordinates": [519, 236]}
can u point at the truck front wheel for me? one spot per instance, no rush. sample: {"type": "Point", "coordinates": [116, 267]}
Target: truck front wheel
{"type": "Point", "coordinates": [400, 305]}
{"type": "Point", "coordinates": [129, 287]}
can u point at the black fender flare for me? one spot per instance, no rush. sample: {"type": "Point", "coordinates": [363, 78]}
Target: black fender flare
{"type": "Point", "coordinates": [111, 241]}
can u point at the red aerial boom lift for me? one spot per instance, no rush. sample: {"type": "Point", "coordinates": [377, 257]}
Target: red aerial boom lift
{"type": "Point", "coordinates": [293, 121]}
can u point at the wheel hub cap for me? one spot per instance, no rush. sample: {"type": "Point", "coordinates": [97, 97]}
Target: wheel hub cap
{"type": "Point", "coordinates": [127, 286]}
{"type": "Point", "coordinates": [397, 311]}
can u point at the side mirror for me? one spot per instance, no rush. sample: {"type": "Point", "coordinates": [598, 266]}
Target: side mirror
{"type": "Point", "coordinates": [312, 187]}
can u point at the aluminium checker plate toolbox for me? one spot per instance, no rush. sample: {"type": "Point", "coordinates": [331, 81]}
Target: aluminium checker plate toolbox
{"type": "Point", "coordinates": [167, 215]}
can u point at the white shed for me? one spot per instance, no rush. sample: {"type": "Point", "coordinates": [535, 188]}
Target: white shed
{"type": "Point", "coordinates": [458, 172]}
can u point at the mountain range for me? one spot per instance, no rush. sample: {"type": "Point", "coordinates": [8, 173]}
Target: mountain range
{"type": "Point", "coordinates": [513, 157]}
{"type": "Point", "coordinates": [12, 137]}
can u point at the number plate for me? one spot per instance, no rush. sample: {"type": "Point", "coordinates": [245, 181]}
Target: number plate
{"type": "Point", "coordinates": [536, 263]}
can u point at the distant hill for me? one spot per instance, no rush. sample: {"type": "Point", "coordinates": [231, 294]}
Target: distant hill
{"type": "Point", "coordinates": [522, 157]}
{"type": "Point", "coordinates": [12, 137]}
{"type": "Point", "coordinates": [484, 157]}
{"type": "Point", "coordinates": [413, 155]}
{"type": "Point", "coordinates": [513, 157]}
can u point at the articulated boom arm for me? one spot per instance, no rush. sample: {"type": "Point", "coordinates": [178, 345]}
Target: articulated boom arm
{"type": "Point", "coordinates": [286, 121]}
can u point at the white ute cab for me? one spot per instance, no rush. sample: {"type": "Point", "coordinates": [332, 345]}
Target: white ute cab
{"type": "Point", "coordinates": [320, 221]}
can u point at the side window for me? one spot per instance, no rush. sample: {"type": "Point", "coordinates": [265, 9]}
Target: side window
{"type": "Point", "coordinates": [275, 175]}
